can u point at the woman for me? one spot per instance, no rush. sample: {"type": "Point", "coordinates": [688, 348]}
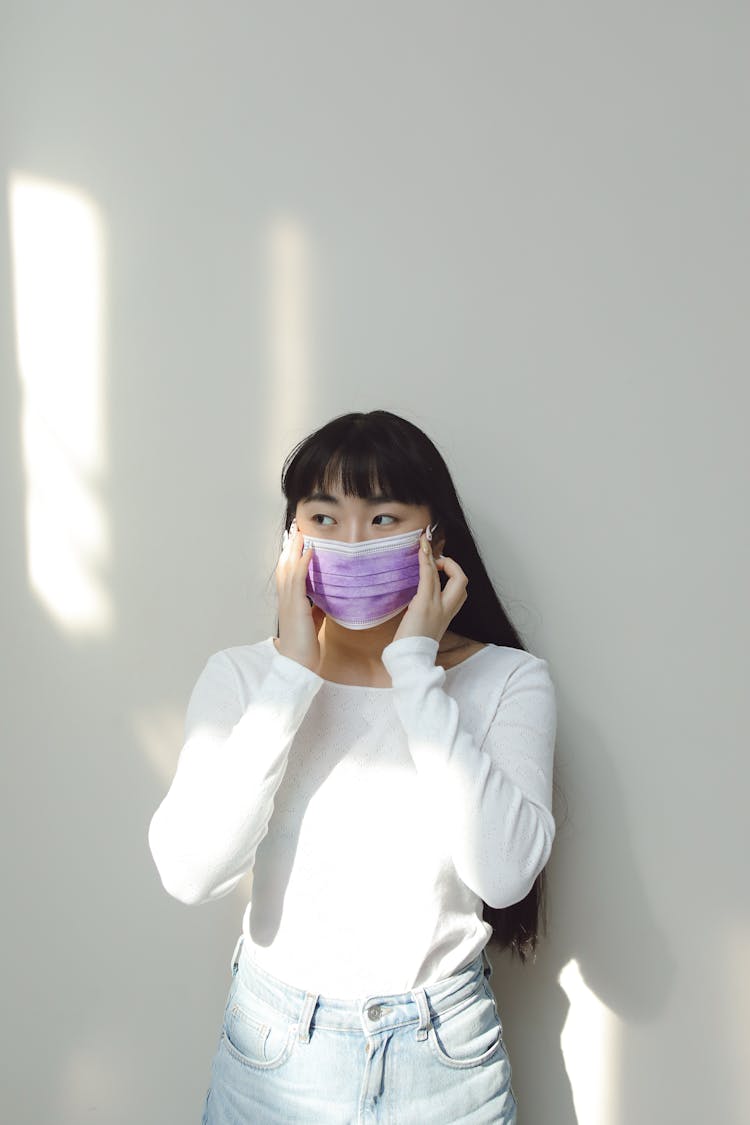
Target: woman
{"type": "Point", "coordinates": [383, 766]}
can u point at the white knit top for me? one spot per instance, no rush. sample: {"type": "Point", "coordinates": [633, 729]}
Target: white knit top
{"type": "Point", "coordinates": [374, 820]}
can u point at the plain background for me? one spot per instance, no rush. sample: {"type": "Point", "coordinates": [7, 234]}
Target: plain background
{"type": "Point", "coordinates": [524, 227]}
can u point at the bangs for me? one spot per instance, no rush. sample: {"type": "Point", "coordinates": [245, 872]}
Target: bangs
{"type": "Point", "coordinates": [361, 464]}
{"type": "Point", "coordinates": [366, 474]}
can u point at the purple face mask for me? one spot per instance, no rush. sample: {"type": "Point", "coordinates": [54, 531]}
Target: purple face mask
{"type": "Point", "coordinates": [360, 585]}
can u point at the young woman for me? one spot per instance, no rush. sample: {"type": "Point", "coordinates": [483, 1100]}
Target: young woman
{"type": "Point", "coordinates": [383, 767]}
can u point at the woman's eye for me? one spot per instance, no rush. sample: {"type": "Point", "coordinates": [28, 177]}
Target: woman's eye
{"type": "Point", "coordinates": [384, 520]}
{"type": "Point", "coordinates": [320, 518]}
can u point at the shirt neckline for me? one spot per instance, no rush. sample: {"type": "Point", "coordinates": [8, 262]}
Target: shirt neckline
{"type": "Point", "coordinates": [368, 687]}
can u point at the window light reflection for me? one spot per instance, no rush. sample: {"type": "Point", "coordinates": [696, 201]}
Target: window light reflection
{"type": "Point", "coordinates": [57, 263]}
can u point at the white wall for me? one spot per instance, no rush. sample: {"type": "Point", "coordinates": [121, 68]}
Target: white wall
{"type": "Point", "coordinates": [525, 228]}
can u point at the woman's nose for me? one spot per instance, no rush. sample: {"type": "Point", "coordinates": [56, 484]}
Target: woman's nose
{"type": "Point", "coordinates": [357, 531]}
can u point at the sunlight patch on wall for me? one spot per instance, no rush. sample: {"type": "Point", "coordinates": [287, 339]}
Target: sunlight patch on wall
{"type": "Point", "coordinates": [289, 336]}
{"type": "Point", "coordinates": [94, 1086]}
{"type": "Point", "coordinates": [57, 263]}
{"type": "Point", "coordinates": [736, 1013]}
{"type": "Point", "coordinates": [159, 730]}
{"type": "Point", "coordinates": [589, 1042]}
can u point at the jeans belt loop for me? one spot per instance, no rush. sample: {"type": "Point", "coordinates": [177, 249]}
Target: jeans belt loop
{"type": "Point", "coordinates": [234, 963]}
{"type": "Point", "coordinates": [420, 999]}
{"type": "Point", "coordinates": [311, 999]}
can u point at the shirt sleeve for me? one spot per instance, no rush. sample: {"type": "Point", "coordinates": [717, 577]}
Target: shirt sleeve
{"type": "Point", "coordinates": [494, 799]}
{"type": "Point", "coordinates": [205, 833]}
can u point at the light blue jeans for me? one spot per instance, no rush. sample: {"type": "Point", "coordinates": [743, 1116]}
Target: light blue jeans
{"type": "Point", "coordinates": [431, 1056]}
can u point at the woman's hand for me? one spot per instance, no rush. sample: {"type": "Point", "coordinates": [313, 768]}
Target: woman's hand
{"type": "Point", "coordinates": [432, 608]}
{"type": "Point", "coordinates": [299, 622]}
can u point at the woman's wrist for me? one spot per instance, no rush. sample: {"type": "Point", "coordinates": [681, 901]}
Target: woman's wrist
{"type": "Point", "coordinates": [421, 647]}
{"type": "Point", "coordinates": [292, 663]}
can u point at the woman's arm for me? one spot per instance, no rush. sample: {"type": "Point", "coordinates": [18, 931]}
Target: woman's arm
{"type": "Point", "coordinates": [206, 831]}
{"type": "Point", "coordinates": [492, 800]}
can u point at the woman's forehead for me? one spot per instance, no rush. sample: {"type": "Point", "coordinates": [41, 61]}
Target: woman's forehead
{"type": "Point", "coordinates": [335, 495]}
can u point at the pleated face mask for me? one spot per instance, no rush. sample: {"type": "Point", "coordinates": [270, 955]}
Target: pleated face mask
{"type": "Point", "coordinates": [360, 585]}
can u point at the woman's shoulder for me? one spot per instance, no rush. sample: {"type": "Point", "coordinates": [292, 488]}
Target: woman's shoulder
{"type": "Point", "coordinates": [498, 683]}
{"type": "Point", "coordinates": [489, 663]}
{"type": "Point", "coordinates": [248, 661]}
{"type": "Point", "coordinates": [454, 649]}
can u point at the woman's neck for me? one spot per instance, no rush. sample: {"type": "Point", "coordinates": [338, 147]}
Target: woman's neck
{"type": "Point", "coordinates": [355, 655]}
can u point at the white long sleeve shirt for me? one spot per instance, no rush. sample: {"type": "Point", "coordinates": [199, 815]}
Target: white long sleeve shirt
{"type": "Point", "coordinates": [374, 820]}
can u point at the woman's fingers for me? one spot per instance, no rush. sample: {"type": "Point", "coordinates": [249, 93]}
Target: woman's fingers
{"type": "Point", "coordinates": [454, 591]}
{"type": "Point", "coordinates": [302, 561]}
{"type": "Point", "coordinates": [451, 596]}
{"type": "Point", "coordinates": [293, 551]}
{"type": "Point", "coordinates": [450, 567]}
{"type": "Point", "coordinates": [299, 622]}
{"type": "Point", "coordinates": [427, 570]}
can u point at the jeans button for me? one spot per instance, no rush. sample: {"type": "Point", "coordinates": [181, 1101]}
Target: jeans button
{"type": "Point", "coordinates": [375, 1012]}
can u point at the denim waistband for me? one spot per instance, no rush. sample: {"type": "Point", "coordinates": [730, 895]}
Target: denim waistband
{"type": "Point", "coordinates": [370, 1014]}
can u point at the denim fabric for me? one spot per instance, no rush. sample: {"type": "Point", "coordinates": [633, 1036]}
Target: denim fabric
{"type": "Point", "coordinates": [431, 1056]}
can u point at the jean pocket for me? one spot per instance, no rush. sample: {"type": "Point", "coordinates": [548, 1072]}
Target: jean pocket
{"type": "Point", "coordinates": [469, 1034]}
{"type": "Point", "coordinates": [255, 1034]}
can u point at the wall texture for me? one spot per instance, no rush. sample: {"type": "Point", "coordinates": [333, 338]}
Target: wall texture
{"type": "Point", "coordinates": [524, 227]}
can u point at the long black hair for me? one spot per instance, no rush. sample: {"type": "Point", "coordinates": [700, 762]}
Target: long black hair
{"type": "Point", "coordinates": [379, 453]}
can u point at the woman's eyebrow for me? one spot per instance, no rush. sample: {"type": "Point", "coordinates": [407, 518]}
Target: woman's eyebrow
{"type": "Point", "coordinates": [320, 498]}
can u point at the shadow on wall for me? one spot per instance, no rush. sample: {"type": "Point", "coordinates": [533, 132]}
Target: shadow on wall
{"type": "Point", "coordinates": [604, 963]}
